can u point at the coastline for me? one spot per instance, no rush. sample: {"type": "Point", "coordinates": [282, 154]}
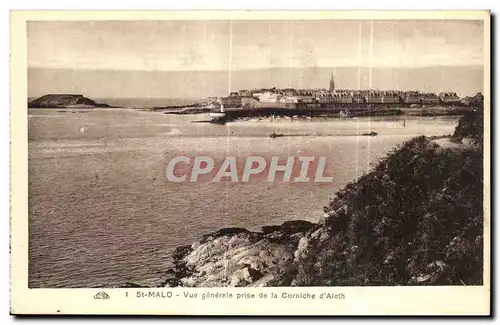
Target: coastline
{"type": "Point", "coordinates": [243, 115]}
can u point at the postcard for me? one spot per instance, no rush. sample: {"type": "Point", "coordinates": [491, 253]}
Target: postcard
{"type": "Point", "coordinates": [250, 162]}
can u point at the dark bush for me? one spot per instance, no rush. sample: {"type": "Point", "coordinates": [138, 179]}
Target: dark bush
{"type": "Point", "coordinates": [417, 218]}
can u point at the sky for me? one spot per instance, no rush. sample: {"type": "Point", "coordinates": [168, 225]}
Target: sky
{"type": "Point", "coordinates": [237, 49]}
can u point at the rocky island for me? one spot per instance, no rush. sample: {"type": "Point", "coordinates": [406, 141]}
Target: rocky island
{"type": "Point", "coordinates": [415, 219]}
{"type": "Point", "coordinates": [64, 101]}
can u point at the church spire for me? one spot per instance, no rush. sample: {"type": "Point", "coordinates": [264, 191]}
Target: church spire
{"type": "Point", "coordinates": [332, 83]}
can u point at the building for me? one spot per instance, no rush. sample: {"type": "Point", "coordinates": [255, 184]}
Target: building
{"type": "Point", "coordinates": [430, 99]}
{"type": "Point", "coordinates": [449, 98]}
{"type": "Point", "coordinates": [332, 84]}
{"type": "Point", "coordinates": [244, 93]}
{"type": "Point", "coordinates": [412, 98]}
{"type": "Point", "coordinates": [269, 97]}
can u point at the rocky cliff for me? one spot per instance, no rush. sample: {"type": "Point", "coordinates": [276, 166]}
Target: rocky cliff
{"type": "Point", "coordinates": [415, 219]}
{"type": "Point", "coordinates": [64, 100]}
{"type": "Point", "coordinates": [238, 257]}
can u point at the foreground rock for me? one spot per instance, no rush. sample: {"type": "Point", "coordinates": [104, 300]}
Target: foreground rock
{"type": "Point", "coordinates": [64, 101]}
{"type": "Point", "coordinates": [237, 257]}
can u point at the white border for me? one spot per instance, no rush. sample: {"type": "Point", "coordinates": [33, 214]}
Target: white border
{"type": "Point", "coordinates": [145, 4]}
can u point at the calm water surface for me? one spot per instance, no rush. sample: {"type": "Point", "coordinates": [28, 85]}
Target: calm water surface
{"type": "Point", "coordinates": [101, 211]}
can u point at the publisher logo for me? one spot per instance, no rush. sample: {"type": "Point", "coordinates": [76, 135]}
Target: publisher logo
{"type": "Point", "coordinates": [101, 295]}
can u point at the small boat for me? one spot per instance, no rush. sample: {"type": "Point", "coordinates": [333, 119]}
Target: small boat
{"type": "Point", "coordinates": [370, 134]}
{"type": "Point", "coordinates": [276, 135]}
{"type": "Point", "coordinates": [217, 113]}
{"type": "Point", "coordinates": [218, 120]}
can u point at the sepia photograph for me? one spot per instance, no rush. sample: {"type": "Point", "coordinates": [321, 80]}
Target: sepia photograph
{"type": "Point", "coordinates": [256, 153]}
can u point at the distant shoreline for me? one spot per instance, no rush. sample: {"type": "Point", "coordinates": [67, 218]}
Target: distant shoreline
{"type": "Point", "coordinates": [71, 101]}
{"type": "Point", "coordinates": [233, 115]}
